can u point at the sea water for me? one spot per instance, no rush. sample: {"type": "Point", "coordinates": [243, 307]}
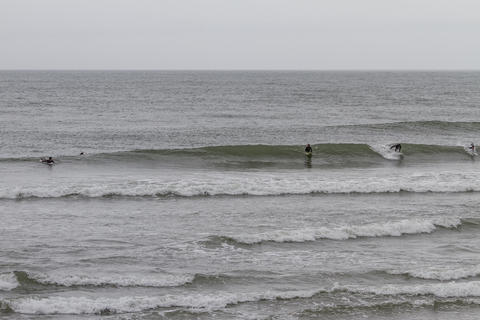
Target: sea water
{"type": "Point", "coordinates": [193, 198]}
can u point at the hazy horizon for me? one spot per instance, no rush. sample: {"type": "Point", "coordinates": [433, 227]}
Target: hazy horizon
{"type": "Point", "coordinates": [253, 70]}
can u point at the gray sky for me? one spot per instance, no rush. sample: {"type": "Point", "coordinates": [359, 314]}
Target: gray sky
{"type": "Point", "coordinates": [239, 34]}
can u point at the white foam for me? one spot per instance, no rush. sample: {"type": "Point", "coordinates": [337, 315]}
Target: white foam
{"type": "Point", "coordinates": [443, 290]}
{"type": "Point", "coordinates": [8, 281]}
{"type": "Point", "coordinates": [121, 280]}
{"type": "Point", "coordinates": [200, 302]}
{"type": "Point", "coordinates": [386, 152]}
{"type": "Point", "coordinates": [388, 228]}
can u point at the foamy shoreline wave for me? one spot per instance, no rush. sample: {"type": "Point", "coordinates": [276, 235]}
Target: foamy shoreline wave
{"type": "Point", "coordinates": [193, 302]}
{"type": "Point", "coordinates": [467, 291]}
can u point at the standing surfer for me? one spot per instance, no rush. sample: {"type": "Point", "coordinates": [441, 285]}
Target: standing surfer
{"type": "Point", "coordinates": [397, 147]}
{"type": "Point", "coordinates": [308, 149]}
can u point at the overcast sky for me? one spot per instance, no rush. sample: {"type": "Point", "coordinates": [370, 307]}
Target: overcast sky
{"type": "Point", "coordinates": [239, 34]}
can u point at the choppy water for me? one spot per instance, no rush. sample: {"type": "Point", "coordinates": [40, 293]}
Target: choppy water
{"type": "Point", "coordinates": [194, 199]}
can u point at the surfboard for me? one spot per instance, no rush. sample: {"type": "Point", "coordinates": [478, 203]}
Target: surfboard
{"type": "Point", "coordinates": [308, 154]}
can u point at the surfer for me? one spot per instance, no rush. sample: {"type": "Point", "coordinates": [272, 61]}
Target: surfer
{"type": "Point", "coordinates": [397, 147]}
{"type": "Point", "coordinates": [308, 149]}
{"type": "Point", "coordinates": [47, 161]}
{"type": "Point", "coordinates": [472, 147]}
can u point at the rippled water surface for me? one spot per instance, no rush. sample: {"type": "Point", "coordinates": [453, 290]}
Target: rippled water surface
{"type": "Point", "coordinates": [194, 198]}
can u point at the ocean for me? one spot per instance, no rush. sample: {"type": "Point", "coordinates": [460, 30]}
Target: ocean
{"type": "Point", "coordinates": [188, 195]}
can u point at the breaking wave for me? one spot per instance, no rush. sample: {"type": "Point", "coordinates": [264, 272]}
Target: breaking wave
{"type": "Point", "coordinates": [104, 306]}
{"type": "Point", "coordinates": [100, 279]}
{"type": "Point", "coordinates": [443, 290]}
{"type": "Point", "coordinates": [379, 229]}
{"type": "Point", "coordinates": [8, 281]}
{"type": "Point", "coordinates": [254, 184]}
{"type": "Point", "coordinates": [440, 274]}
{"type": "Point", "coordinates": [28, 280]}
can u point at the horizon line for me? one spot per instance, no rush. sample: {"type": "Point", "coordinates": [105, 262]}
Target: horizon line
{"type": "Point", "coordinates": [245, 70]}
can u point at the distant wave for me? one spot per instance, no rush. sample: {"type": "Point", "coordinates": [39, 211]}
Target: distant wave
{"type": "Point", "coordinates": [426, 124]}
{"type": "Point", "coordinates": [264, 156]}
{"type": "Point", "coordinates": [379, 229]}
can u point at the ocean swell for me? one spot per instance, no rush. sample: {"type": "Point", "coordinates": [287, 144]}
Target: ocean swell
{"type": "Point", "coordinates": [255, 156]}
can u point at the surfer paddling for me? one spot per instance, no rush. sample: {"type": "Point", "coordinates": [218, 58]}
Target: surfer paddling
{"type": "Point", "coordinates": [397, 147]}
{"type": "Point", "coordinates": [47, 161]}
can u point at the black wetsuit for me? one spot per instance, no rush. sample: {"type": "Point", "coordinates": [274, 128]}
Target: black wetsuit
{"type": "Point", "coordinates": [308, 149]}
{"type": "Point", "coordinates": [397, 147]}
